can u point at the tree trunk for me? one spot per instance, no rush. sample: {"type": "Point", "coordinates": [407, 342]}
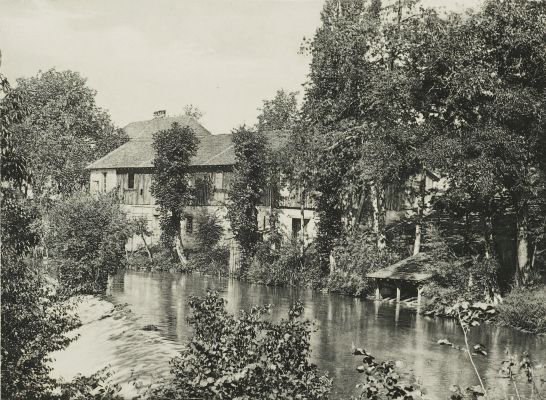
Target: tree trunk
{"type": "Point", "coordinates": [522, 240]}
{"type": "Point", "coordinates": [417, 241]}
{"type": "Point", "coordinates": [302, 213]}
{"type": "Point", "coordinates": [489, 250]}
{"type": "Point", "coordinates": [378, 214]}
{"type": "Point", "coordinates": [180, 246]}
{"type": "Point", "coordinates": [420, 213]}
{"type": "Point", "coordinates": [146, 246]}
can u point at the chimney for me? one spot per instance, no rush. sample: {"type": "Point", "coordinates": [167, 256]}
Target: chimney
{"type": "Point", "coordinates": [160, 114]}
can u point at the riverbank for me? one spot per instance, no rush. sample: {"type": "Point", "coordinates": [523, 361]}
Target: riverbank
{"type": "Point", "coordinates": [524, 310]}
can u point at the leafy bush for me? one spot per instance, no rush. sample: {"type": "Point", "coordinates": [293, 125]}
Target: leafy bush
{"type": "Point", "coordinates": [209, 257]}
{"type": "Point", "coordinates": [385, 380]}
{"type": "Point", "coordinates": [34, 324]}
{"type": "Point", "coordinates": [284, 265]}
{"type": "Point", "coordinates": [348, 283]}
{"type": "Point", "coordinates": [162, 261]}
{"type": "Point", "coordinates": [245, 357]}
{"type": "Point", "coordinates": [96, 386]}
{"type": "Point", "coordinates": [214, 261]}
{"type": "Point", "coordinates": [525, 309]}
{"type": "Point", "coordinates": [355, 257]}
{"type": "Point", "coordinates": [88, 234]}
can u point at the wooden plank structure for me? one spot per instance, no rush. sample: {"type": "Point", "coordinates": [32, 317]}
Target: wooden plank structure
{"type": "Point", "coordinates": [410, 271]}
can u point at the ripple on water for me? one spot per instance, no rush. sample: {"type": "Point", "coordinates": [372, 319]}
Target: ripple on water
{"type": "Point", "coordinates": [113, 336]}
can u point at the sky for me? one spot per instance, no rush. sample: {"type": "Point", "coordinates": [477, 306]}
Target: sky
{"type": "Point", "coordinates": [224, 56]}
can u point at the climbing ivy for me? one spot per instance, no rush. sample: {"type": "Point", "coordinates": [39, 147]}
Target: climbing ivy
{"type": "Point", "coordinates": [247, 188]}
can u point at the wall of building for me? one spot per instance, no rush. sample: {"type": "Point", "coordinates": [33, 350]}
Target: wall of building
{"type": "Point", "coordinates": [137, 201]}
{"type": "Point", "coordinates": [102, 180]}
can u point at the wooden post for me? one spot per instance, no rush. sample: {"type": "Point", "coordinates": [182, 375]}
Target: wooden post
{"type": "Point", "coordinates": [397, 293]}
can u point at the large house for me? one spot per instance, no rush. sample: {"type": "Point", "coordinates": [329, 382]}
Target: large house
{"type": "Point", "coordinates": [128, 171]}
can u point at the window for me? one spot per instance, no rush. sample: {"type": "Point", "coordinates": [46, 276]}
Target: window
{"type": "Point", "coordinates": [104, 181]}
{"type": "Point", "coordinates": [189, 225]}
{"type": "Point", "coordinates": [296, 226]}
{"type": "Point", "coordinates": [131, 181]}
{"type": "Point", "coordinates": [226, 180]}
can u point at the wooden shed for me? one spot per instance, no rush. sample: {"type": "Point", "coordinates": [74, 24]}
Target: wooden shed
{"type": "Point", "coordinates": [412, 271]}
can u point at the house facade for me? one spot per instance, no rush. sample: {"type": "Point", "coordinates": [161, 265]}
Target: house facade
{"type": "Point", "coordinates": [128, 170]}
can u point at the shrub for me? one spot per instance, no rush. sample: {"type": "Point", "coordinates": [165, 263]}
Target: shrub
{"type": "Point", "coordinates": [525, 309]}
{"type": "Point", "coordinates": [284, 265]}
{"type": "Point", "coordinates": [162, 261]}
{"type": "Point", "coordinates": [209, 257]}
{"type": "Point", "coordinates": [348, 283]}
{"type": "Point", "coordinates": [385, 380]}
{"type": "Point", "coordinates": [34, 324]}
{"type": "Point", "coordinates": [214, 261]}
{"type": "Point", "coordinates": [355, 257]}
{"type": "Point", "coordinates": [88, 234]}
{"type": "Point", "coordinates": [244, 357]}
{"type": "Point", "coordinates": [96, 386]}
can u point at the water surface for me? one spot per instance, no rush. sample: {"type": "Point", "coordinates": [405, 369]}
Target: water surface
{"type": "Point", "coordinates": [389, 331]}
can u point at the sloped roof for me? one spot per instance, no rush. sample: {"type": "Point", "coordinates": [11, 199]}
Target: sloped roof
{"type": "Point", "coordinates": [145, 129]}
{"type": "Point", "coordinates": [413, 268]}
{"type": "Point", "coordinates": [139, 153]}
{"type": "Point", "coordinates": [213, 150]}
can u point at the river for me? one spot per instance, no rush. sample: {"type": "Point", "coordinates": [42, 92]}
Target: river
{"type": "Point", "coordinates": [388, 331]}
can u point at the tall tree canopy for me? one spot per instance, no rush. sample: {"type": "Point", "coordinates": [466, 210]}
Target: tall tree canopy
{"type": "Point", "coordinates": [63, 131]}
{"type": "Point", "coordinates": [34, 324]}
{"type": "Point", "coordinates": [278, 113]}
{"type": "Point", "coordinates": [396, 89]}
{"type": "Point", "coordinates": [247, 188]}
{"type": "Point", "coordinates": [174, 149]}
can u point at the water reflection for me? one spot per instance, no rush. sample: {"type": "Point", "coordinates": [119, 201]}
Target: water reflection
{"type": "Point", "coordinates": [389, 331]}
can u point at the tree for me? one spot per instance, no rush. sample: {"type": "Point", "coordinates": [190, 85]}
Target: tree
{"type": "Point", "coordinates": [140, 228]}
{"type": "Point", "coordinates": [358, 117]}
{"type": "Point", "coordinates": [193, 111]}
{"type": "Point", "coordinates": [63, 131]}
{"type": "Point", "coordinates": [247, 188]}
{"type": "Point", "coordinates": [279, 113]}
{"type": "Point", "coordinates": [34, 323]}
{"type": "Point", "coordinates": [490, 103]}
{"type": "Point", "coordinates": [174, 149]}
{"type": "Point", "coordinates": [88, 234]}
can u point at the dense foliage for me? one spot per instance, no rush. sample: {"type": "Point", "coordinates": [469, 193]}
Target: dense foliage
{"type": "Point", "coordinates": [63, 133]}
{"type": "Point", "coordinates": [284, 264]}
{"type": "Point", "coordinates": [35, 321]}
{"type": "Point", "coordinates": [174, 149]}
{"type": "Point", "coordinates": [356, 256]}
{"type": "Point", "coordinates": [210, 255]}
{"type": "Point", "coordinates": [399, 92]}
{"type": "Point", "coordinates": [525, 309]}
{"type": "Point", "coordinates": [87, 234]}
{"type": "Point", "coordinates": [244, 357]}
{"type": "Point", "coordinates": [278, 113]}
{"type": "Point", "coordinates": [247, 188]}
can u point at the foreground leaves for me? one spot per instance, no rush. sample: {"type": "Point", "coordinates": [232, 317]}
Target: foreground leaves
{"type": "Point", "coordinates": [245, 357]}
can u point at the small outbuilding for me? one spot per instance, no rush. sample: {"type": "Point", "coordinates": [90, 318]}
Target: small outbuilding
{"type": "Point", "coordinates": [407, 275]}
